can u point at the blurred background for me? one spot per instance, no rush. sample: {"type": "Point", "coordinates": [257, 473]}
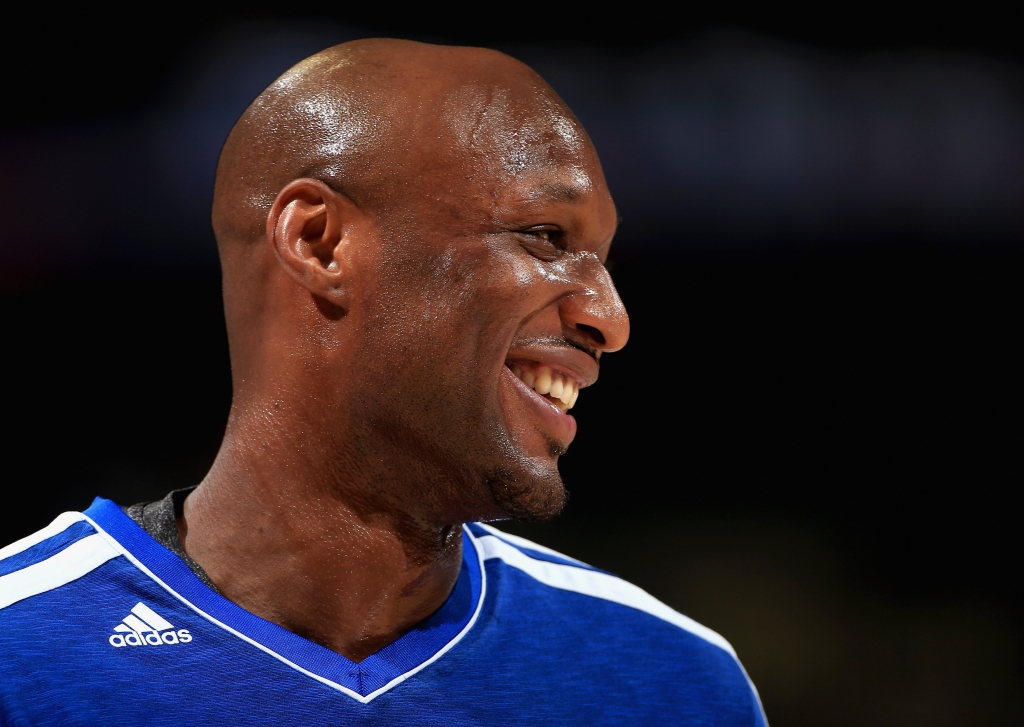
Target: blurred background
{"type": "Point", "coordinates": [821, 251]}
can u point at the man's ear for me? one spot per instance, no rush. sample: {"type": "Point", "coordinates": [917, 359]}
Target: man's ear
{"type": "Point", "coordinates": [310, 226]}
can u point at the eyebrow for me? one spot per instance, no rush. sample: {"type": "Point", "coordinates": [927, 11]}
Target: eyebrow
{"type": "Point", "coordinates": [559, 192]}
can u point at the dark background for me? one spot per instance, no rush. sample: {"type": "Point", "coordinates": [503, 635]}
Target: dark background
{"type": "Point", "coordinates": [812, 441]}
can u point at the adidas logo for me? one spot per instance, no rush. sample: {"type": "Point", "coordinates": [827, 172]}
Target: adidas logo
{"type": "Point", "coordinates": [144, 626]}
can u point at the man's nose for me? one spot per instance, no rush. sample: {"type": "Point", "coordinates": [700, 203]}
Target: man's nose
{"type": "Point", "coordinates": [595, 310]}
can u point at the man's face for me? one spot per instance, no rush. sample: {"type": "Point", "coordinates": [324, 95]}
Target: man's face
{"type": "Point", "coordinates": [491, 309]}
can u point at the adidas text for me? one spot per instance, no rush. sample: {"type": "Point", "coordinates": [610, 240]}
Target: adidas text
{"type": "Point", "coordinates": [144, 627]}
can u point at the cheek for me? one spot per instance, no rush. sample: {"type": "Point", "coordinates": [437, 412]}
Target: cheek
{"type": "Point", "coordinates": [422, 325]}
{"type": "Point", "coordinates": [457, 311]}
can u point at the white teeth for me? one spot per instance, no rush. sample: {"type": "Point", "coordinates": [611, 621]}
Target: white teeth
{"type": "Point", "coordinates": [546, 381]}
{"type": "Point", "coordinates": [543, 383]}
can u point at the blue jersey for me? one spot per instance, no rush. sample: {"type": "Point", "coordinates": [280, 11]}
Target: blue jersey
{"type": "Point", "coordinates": [102, 625]}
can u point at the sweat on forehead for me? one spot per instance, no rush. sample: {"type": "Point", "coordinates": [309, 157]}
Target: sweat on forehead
{"type": "Point", "coordinates": [367, 116]}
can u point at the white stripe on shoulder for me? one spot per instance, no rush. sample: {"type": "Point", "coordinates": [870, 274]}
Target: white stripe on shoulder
{"type": "Point", "coordinates": [598, 585]}
{"type": "Point", "coordinates": [59, 525]}
{"type": "Point", "coordinates": [68, 565]}
{"type": "Point", "coordinates": [524, 543]}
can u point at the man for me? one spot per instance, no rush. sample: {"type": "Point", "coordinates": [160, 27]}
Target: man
{"type": "Point", "coordinates": [412, 240]}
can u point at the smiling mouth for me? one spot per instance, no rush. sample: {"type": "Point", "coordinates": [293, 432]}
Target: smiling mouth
{"type": "Point", "coordinates": [556, 387]}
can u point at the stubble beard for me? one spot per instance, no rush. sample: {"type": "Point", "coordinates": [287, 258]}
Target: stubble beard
{"type": "Point", "coordinates": [528, 494]}
{"type": "Point", "coordinates": [470, 455]}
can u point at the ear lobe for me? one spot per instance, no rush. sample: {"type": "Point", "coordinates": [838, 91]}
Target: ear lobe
{"type": "Point", "coordinates": [308, 225]}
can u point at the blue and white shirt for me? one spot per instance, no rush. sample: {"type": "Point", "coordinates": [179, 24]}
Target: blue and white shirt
{"type": "Point", "coordinates": [100, 624]}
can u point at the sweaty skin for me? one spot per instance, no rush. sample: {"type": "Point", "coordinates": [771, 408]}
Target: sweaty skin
{"type": "Point", "coordinates": [407, 233]}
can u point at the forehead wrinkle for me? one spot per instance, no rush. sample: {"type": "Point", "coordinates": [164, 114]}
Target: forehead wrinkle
{"type": "Point", "coordinates": [509, 131]}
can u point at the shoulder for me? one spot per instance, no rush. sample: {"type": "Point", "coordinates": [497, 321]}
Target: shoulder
{"type": "Point", "coordinates": [612, 614]}
{"type": "Point", "coordinates": [555, 570]}
{"type": "Point", "coordinates": [61, 553]}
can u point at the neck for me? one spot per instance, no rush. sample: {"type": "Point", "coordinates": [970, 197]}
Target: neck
{"type": "Point", "coordinates": [322, 555]}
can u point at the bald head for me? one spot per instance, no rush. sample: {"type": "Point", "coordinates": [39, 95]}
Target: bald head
{"type": "Point", "coordinates": [371, 116]}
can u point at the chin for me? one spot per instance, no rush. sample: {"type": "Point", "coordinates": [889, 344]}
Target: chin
{"type": "Point", "coordinates": [528, 495]}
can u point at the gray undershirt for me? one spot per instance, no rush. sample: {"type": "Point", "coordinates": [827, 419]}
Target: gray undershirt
{"type": "Point", "coordinates": [160, 520]}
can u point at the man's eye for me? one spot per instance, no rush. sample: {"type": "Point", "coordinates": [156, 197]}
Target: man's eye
{"type": "Point", "coordinates": [542, 242]}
